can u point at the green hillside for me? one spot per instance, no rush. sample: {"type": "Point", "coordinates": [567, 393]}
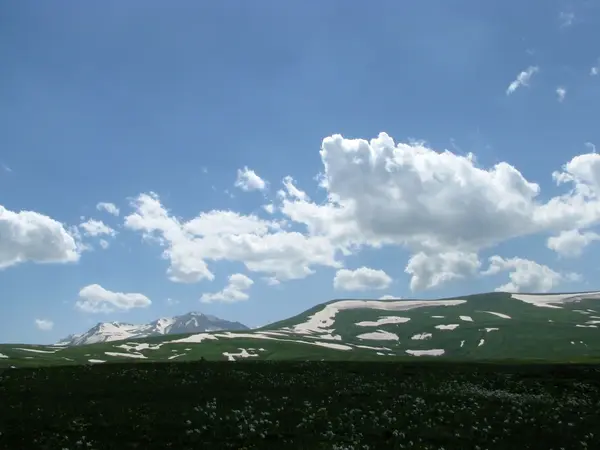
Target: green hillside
{"type": "Point", "coordinates": [485, 327]}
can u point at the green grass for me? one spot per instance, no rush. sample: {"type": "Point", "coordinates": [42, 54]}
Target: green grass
{"type": "Point", "coordinates": [301, 405]}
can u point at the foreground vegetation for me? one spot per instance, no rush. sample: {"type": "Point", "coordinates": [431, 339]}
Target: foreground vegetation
{"type": "Point", "coordinates": [301, 405]}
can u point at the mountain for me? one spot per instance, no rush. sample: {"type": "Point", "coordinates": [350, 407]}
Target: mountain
{"type": "Point", "coordinates": [192, 322]}
{"type": "Point", "coordinates": [485, 327]}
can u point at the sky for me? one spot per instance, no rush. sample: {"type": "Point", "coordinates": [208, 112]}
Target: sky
{"type": "Point", "coordinates": [253, 159]}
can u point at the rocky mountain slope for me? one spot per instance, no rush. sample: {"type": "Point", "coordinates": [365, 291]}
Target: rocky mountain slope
{"type": "Point", "coordinates": [192, 322]}
{"type": "Point", "coordinates": [485, 327]}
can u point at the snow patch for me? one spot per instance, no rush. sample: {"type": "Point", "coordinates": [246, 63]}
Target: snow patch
{"type": "Point", "coordinates": [137, 347]}
{"type": "Point", "coordinates": [432, 352]}
{"type": "Point", "coordinates": [242, 354]}
{"type": "Point", "coordinates": [481, 341]}
{"type": "Point", "coordinates": [96, 361]}
{"type": "Point", "coordinates": [36, 350]}
{"type": "Point", "coordinates": [421, 336]}
{"type": "Point", "coordinates": [384, 320]}
{"type": "Point", "coordinates": [550, 300]}
{"type": "Point", "coordinates": [491, 329]}
{"type": "Point", "coordinates": [379, 335]}
{"type": "Point", "coordinates": [325, 318]}
{"type": "Point", "coordinates": [194, 339]}
{"type": "Point", "coordinates": [466, 318]}
{"type": "Point", "coordinates": [127, 355]}
{"type": "Point", "coordinates": [451, 326]}
{"type": "Point", "coordinates": [3, 356]}
{"type": "Point", "coordinates": [504, 316]}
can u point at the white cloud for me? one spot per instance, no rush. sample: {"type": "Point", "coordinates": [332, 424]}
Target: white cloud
{"type": "Point", "coordinates": [235, 290]}
{"type": "Point", "coordinates": [95, 299]}
{"type": "Point", "coordinates": [526, 275]}
{"type": "Point", "coordinates": [30, 236]}
{"type": "Point", "coordinates": [96, 228]}
{"type": "Point", "coordinates": [522, 79]}
{"type": "Point", "coordinates": [566, 19]}
{"type": "Point", "coordinates": [248, 180]}
{"type": "Point", "coordinates": [561, 93]}
{"type": "Point", "coordinates": [110, 208]}
{"type": "Point", "coordinates": [104, 244]}
{"type": "Point", "coordinates": [431, 270]}
{"type": "Point", "coordinates": [570, 244]}
{"type": "Point", "coordinates": [270, 208]}
{"type": "Point", "coordinates": [171, 301]}
{"type": "Point", "coordinates": [379, 193]}
{"type": "Point", "coordinates": [44, 324]}
{"type": "Point", "coordinates": [292, 190]}
{"type": "Point", "coordinates": [361, 279]}
{"type": "Point", "coordinates": [595, 70]}
{"type": "Point", "coordinates": [224, 235]}
{"type": "Point", "coordinates": [390, 297]}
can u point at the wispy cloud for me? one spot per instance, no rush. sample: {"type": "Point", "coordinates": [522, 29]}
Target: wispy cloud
{"type": "Point", "coordinates": [561, 92]}
{"type": "Point", "coordinates": [44, 324]}
{"type": "Point", "coordinates": [522, 79]}
{"type": "Point", "coordinates": [566, 19]}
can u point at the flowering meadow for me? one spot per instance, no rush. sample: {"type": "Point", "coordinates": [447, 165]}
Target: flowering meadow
{"type": "Point", "coordinates": [301, 405]}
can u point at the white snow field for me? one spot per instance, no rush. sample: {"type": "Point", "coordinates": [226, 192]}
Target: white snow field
{"type": "Point", "coordinates": [324, 319]}
{"type": "Point", "coordinates": [384, 320]}
{"type": "Point", "coordinates": [451, 326]}
{"type": "Point", "coordinates": [552, 300]}
{"type": "Point", "coordinates": [432, 352]}
{"type": "Point", "coordinates": [379, 335]}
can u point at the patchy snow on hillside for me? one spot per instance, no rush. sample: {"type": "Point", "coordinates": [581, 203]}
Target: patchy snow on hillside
{"type": "Point", "coordinates": [384, 320]}
{"type": "Point", "coordinates": [466, 318]}
{"type": "Point", "coordinates": [379, 335]}
{"type": "Point", "coordinates": [451, 326]}
{"type": "Point", "coordinates": [551, 300]}
{"type": "Point", "coordinates": [322, 320]}
{"type": "Point", "coordinates": [126, 355]}
{"type": "Point", "coordinates": [242, 354]}
{"type": "Point", "coordinates": [35, 350]}
{"type": "Point", "coordinates": [421, 336]}
{"type": "Point", "coordinates": [432, 352]}
{"type": "Point", "coordinates": [504, 316]}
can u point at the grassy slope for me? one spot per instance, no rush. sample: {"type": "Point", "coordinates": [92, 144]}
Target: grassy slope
{"type": "Point", "coordinates": [533, 333]}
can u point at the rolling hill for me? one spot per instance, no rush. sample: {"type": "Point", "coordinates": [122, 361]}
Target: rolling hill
{"type": "Point", "coordinates": [485, 327]}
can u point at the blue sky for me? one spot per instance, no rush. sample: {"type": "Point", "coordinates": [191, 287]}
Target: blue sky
{"type": "Point", "coordinates": [168, 112]}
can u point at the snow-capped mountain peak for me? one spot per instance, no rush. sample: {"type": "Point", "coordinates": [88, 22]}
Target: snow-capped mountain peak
{"type": "Point", "coordinates": [192, 322]}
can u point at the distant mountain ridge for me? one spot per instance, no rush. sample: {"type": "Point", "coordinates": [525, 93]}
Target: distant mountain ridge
{"type": "Point", "coordinates": [192, 322]}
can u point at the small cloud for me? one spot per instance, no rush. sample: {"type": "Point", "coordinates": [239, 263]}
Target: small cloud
{"type": "Point", "coordinates": [235, 290]}
{"type": "Point", "coordinates": [591, 147]}
{"type": "Point", "coordinates": [595, 70]}
{"type": "Point", "coordinates": [561, 92]}
{"type": "Point", "coordinates": [270, 208]}
{"type": "Point", "coordinates": [522, 79]}
{"type": "Point", "coordinates": [204, 170]}
{"type": "Point", "coordinates": [110, 208]}
{"type": "Point", "coordinates": [5, 168]}
{"type": "Point", "coordinates": [248, 180]}
{"type": "Point", "coordinates": [95, 299]}
{"type": "Point", "coordinates": [172, 301]}
{"type": "Point", "coordinates": [96, 228]}
{"type": "Point", "coordinates": [361, 279]}
{"type": "Point", "coordinates": [566, 19]}
{"type": "Point", "coordinates": [44, 324]}
{"type": "Point", "coordinates": [104, 243]}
